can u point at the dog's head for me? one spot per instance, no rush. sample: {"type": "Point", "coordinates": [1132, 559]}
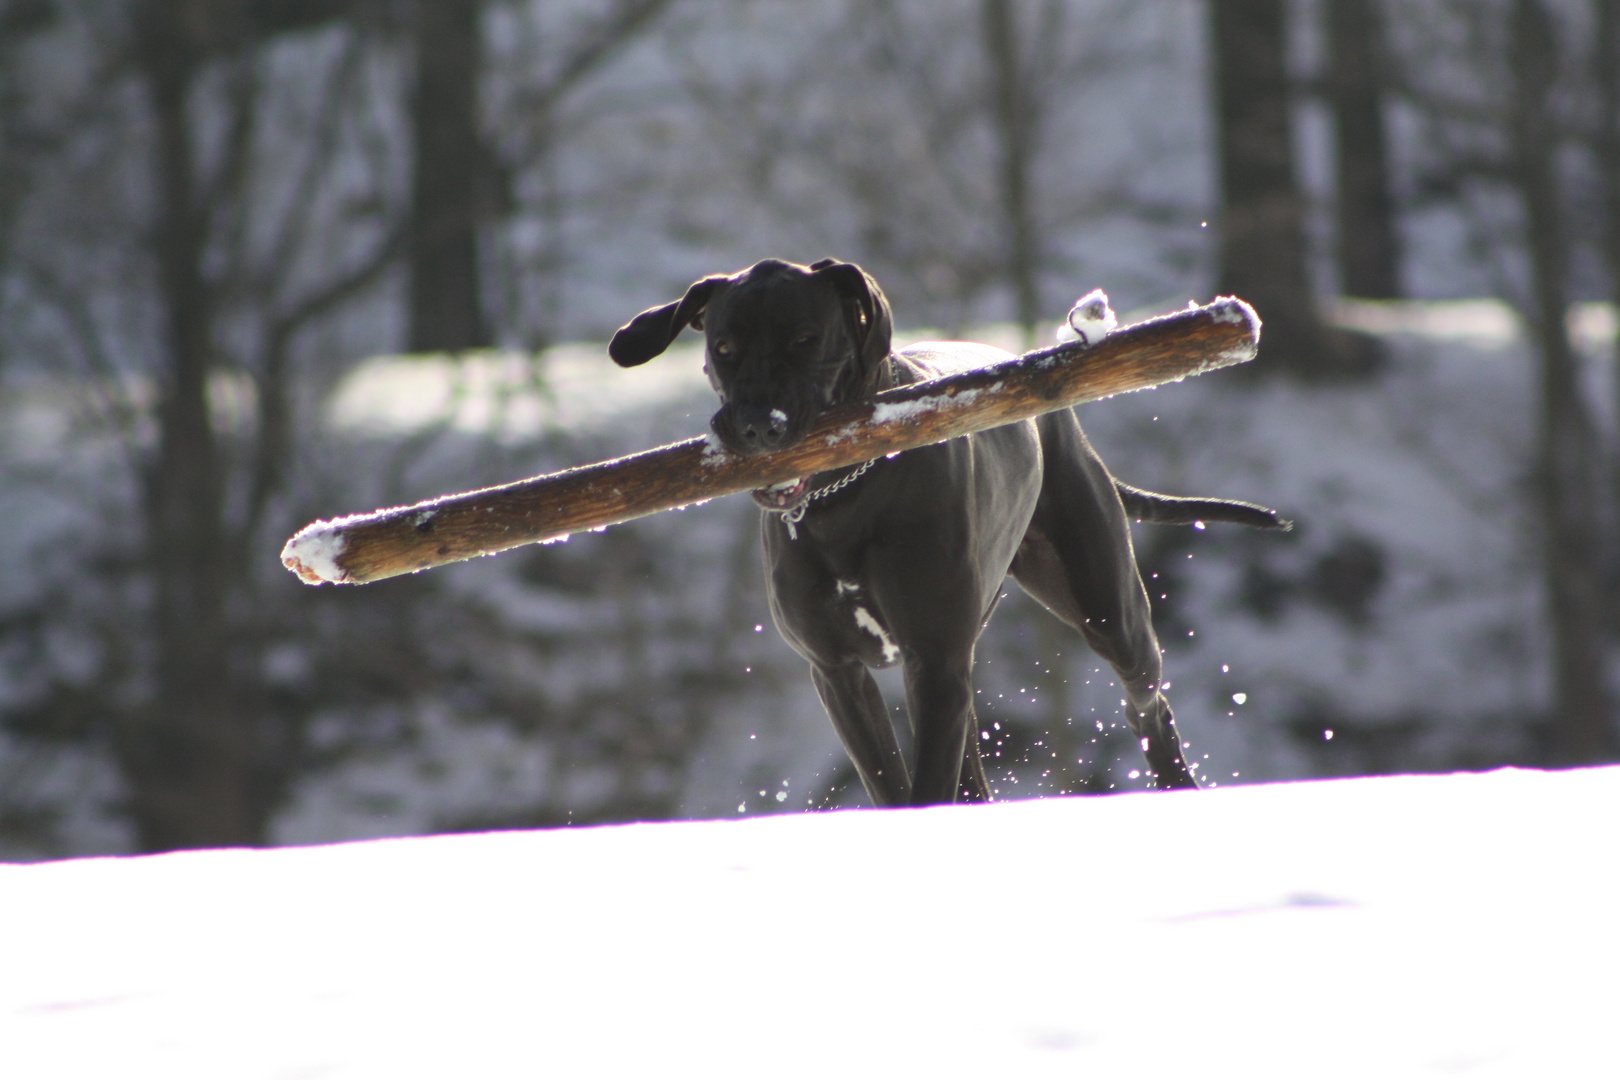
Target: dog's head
{"type": "Point", "coordinates": [784, 343]}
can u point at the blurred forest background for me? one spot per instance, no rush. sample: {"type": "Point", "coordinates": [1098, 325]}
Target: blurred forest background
{"type": "Point", "coordinates": [262, 262]}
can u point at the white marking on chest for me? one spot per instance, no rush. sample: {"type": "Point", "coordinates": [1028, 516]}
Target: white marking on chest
{"type": "Point", "coordinates": [864, 620]}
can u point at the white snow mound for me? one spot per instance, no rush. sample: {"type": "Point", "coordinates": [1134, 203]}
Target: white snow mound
{"type": "Point", "coordinates": [1382, 927]}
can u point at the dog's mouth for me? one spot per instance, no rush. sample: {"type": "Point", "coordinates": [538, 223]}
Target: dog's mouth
{"type": "Point", "coordinates": [784, 496]}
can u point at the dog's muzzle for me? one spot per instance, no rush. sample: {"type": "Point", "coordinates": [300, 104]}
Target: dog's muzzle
{"type": "Point", "coordinates": [756, 429]}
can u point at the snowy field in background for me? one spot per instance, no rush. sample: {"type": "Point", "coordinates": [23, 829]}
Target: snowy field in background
{"type": "Point", "coordinates": [1405, 926]}
{"type": "Point", "coordinates": [1403, 615]}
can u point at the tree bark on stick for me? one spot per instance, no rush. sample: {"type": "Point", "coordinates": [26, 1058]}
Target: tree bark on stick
{"type": "Point", "coordinates": [451, 528]}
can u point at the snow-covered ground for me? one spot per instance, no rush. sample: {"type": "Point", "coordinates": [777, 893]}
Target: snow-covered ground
{"type": "Point", "coordinates": [1393, 927]}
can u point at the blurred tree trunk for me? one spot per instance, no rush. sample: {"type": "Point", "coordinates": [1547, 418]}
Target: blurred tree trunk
{"type": "Point", "coordinates": [18, 23]}
{"type": "Point", "coordinates": [196, 757]}
{"type": "Point", "coordinates": [1369, 249]}
{"type": "Point", "coordinates": [451, 175]}
{"type": "Point", "coordinates": [1606, 70]}
{"type": "Point", "coordinates": [1012, 110]}
{"type": "Point", "coordinates": [186, 757]}
{"type": "Point", "coordinates": [1262, 247]}
{"type": "Point", "coordinates": [1581, 726]}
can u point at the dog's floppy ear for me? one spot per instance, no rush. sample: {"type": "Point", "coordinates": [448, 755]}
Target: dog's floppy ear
{"type": "Point", "coordinates": [650, 333]}
{"type": "Point", "coordinates": [873, 326]}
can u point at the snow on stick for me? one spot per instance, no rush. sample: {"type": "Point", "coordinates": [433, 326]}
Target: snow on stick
{"type": "Point", "coordinates": [403, 540]}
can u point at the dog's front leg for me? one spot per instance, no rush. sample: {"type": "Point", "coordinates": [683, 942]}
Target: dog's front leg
{"type": "Point", "coordinates": [855, 705]}
{"type": "Point", "coordinates": [939, 696]}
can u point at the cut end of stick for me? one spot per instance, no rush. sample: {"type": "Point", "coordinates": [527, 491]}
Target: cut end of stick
{"type": "Point", "coordinates": [1230, 309]}
{"type": "Point", "coordinates": [1235, 312]}
{"type": "Point", "coordinates": [313, 553]}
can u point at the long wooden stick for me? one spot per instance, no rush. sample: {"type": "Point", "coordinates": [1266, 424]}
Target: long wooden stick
{"type": "Point", "coordinates": [403, 540]}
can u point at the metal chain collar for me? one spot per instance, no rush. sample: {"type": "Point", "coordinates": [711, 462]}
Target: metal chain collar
{"type": "Point", "coordinates": [791, 518]}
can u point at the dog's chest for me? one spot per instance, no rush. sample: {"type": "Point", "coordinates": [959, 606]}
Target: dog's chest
{"type": "Point", "coordinates": [874, 640]}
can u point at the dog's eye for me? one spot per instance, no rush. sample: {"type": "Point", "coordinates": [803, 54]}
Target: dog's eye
{"type": "Point", "coordinates": [804, 341]}
{"type": "Point", "coordinates": [722, 348]}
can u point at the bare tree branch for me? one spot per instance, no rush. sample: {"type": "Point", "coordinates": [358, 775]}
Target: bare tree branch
{"type": "Point", "coordinates": [272, 452]}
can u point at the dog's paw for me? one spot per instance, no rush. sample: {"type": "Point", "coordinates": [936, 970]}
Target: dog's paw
{"type": "Point", "coordinates": [1090, 319]}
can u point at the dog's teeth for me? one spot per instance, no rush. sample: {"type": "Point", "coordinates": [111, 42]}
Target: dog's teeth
{"type": "Point", "coordinates": [786, 485]}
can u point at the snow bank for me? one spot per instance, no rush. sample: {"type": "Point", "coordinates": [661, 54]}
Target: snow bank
{"type": "Point", "coordinates": [1384, 927]}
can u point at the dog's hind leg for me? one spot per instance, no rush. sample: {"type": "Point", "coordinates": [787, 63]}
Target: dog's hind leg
{"type": "Point", "coordinates": [972, 786]}
{"type": "Point", "coordinates": [1155, 729]}
{"type": "Point", "coordinates": [855, 705]}
{"type": "Point", "coordinates": [1116, 624]}
{"type": "Point", "coordinates": [1078, 562]}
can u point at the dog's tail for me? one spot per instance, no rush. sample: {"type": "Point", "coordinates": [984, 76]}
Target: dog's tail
{"type": "Point", "coordinates": [1156, 509]}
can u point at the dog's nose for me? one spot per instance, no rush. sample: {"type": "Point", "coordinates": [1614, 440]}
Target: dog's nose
{"type": "Point", "coordinates": [762, 428]}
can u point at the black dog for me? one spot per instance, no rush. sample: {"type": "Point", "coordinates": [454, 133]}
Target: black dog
{"type": "Point", "coordinates": [901, 560]}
